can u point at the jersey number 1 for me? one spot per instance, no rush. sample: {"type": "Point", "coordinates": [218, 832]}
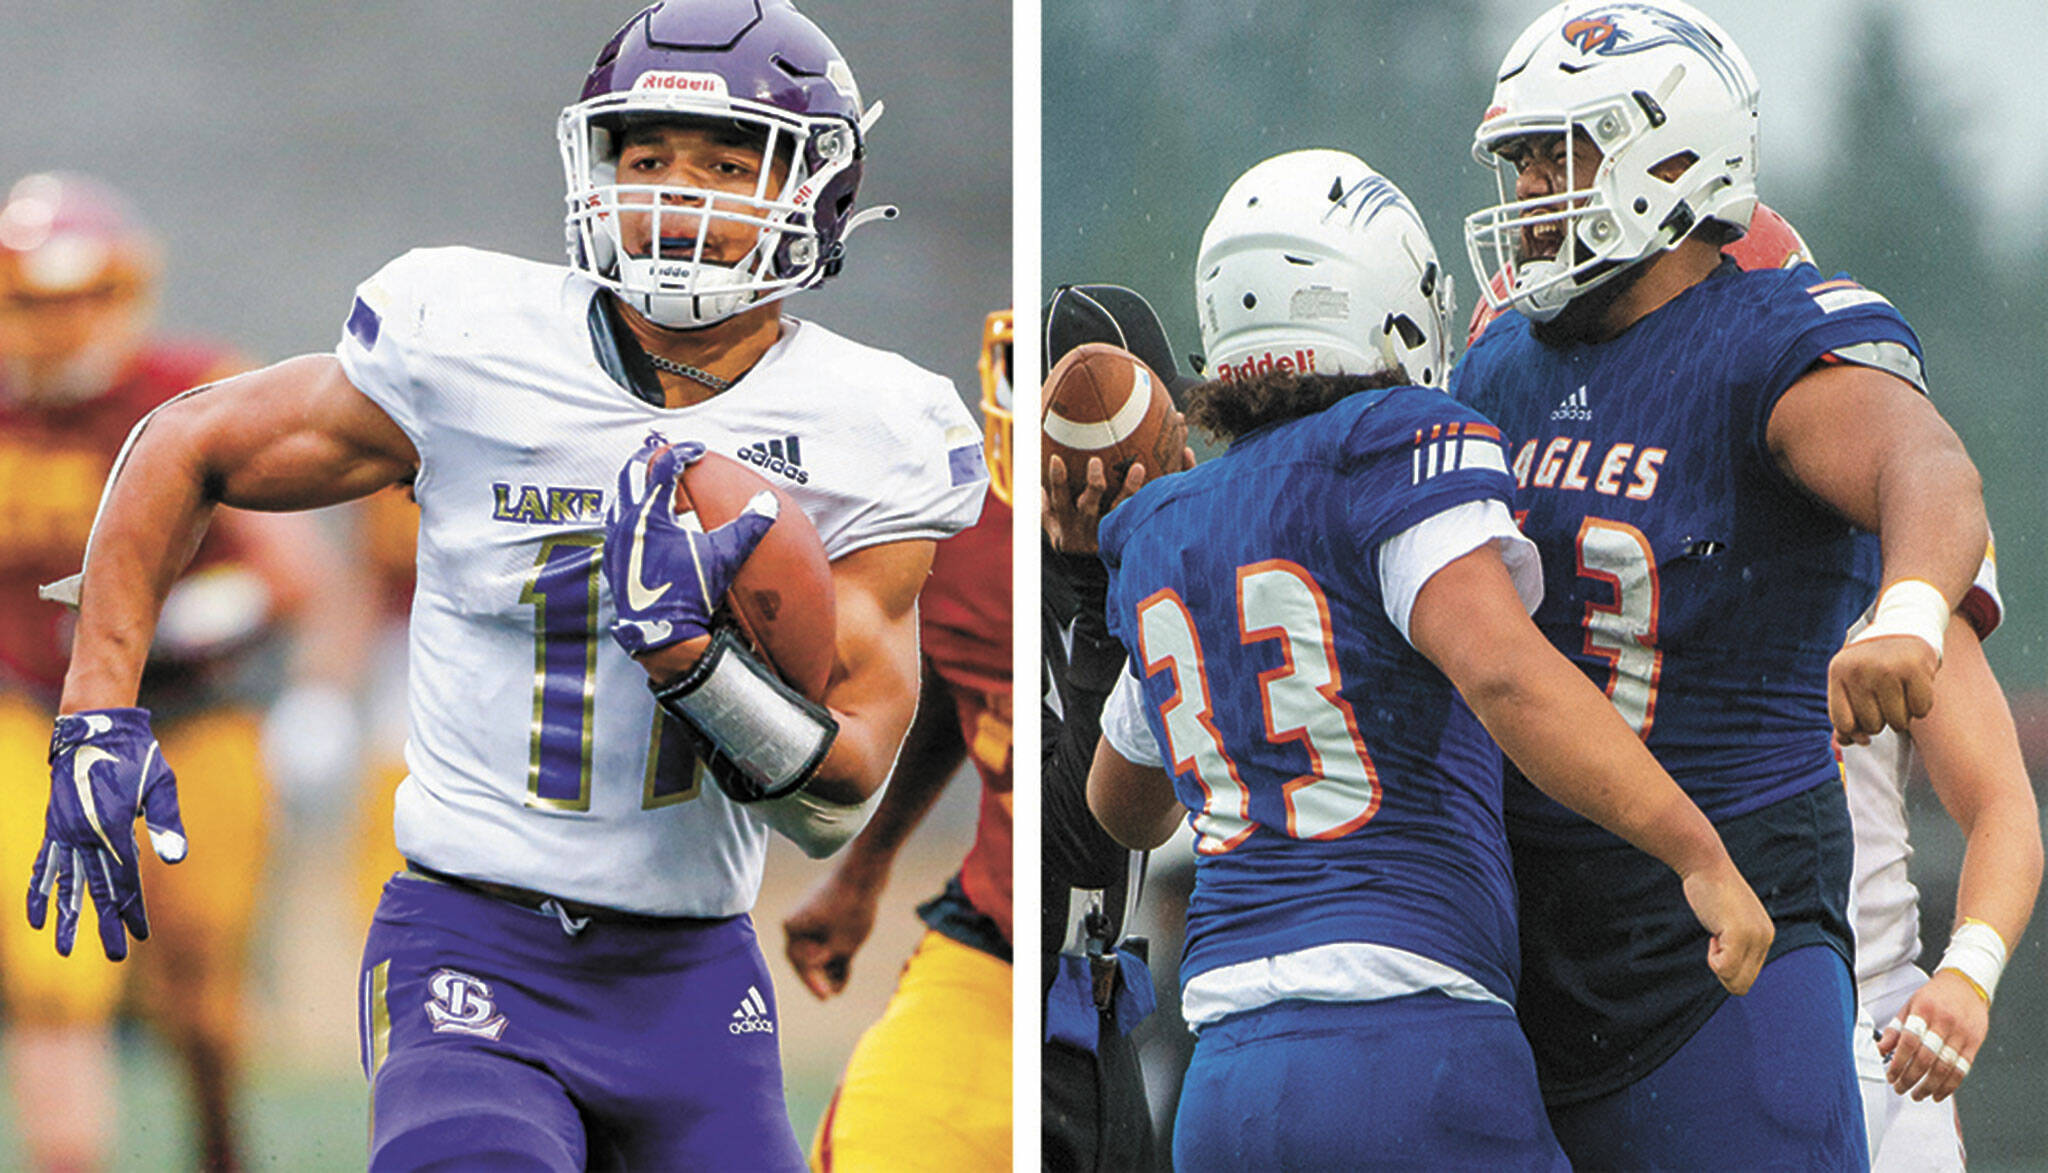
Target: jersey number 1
{"type": "Point", "coordinates": [563, 592]}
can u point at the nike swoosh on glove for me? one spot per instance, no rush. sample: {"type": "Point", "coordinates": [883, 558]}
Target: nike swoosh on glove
{"type": "Point", "coordinates": [666, 573]}
{"type": "Point", "coordinates": [105, 771]}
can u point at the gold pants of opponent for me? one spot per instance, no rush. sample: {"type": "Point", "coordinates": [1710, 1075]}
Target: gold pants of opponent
{"type": "Point", "coordinates": [928, 1086]}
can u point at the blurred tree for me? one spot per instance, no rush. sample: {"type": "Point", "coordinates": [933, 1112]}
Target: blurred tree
{"type": "Point", "coordinates": [1141, 137]}
{"type": "Point", "coordinates": [1897, 209]}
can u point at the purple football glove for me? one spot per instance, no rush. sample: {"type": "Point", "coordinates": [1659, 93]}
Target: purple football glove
{"type": "Point", "coordinates": [105, 769]}
{"type": "Point", "coordinates": [666, 574]}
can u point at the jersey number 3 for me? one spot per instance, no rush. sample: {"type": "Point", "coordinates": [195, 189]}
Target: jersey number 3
{"type": "Point", "coordinates": [1624, 632]}
{"type": "Point", "coordinates": [1301, 700]}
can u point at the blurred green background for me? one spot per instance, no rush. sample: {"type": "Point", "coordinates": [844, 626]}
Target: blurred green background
{"type": "Point", "coordinates": [1903, 139]}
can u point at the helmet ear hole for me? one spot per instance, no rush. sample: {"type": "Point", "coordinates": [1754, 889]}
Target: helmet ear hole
{"type": "Point", "coordinates": [1671, 168]}
{"type": "Point", "coordinates": [1411, 334]}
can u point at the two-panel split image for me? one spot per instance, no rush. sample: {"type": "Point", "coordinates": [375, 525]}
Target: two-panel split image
{"type": "Point", "coordinates": [538, 632]}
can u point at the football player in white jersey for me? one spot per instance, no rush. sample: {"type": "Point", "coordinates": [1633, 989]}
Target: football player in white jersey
{"type": "Point", "coordinates": [1917, 1036]}
{"type": "Point", "coordinates": [566, 975]}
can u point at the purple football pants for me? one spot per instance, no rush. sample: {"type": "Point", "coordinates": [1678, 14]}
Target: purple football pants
{"type": "Point", "coordinates": [495, 1039]}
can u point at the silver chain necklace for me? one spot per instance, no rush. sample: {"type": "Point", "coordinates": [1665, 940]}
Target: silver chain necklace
{"type": "Point", "coordinates": [689, 372]}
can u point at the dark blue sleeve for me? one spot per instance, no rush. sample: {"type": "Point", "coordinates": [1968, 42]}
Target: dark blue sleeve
{"type": "Point", "coordinates": [1416, 454]}
{"type": "Point", "coordinates": [1807, 318]}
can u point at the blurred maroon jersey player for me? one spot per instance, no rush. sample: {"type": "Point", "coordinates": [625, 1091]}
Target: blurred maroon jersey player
{"type": "Point", "coordinates": [928, 1086]}
{"type": "Point", "coordinates": [965, 624]}
{"type": "Point", "coordinates": [79, 367]}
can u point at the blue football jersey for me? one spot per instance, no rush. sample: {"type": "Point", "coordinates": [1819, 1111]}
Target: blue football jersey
{"type": "Point", "coordinates": [1683, 571]}
{"type": "Point", "coordinates": [1342, 790]}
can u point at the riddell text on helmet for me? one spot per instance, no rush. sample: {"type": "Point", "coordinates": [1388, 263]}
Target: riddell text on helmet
{"type": "Point", "coordinates": [681, 81]}
{"type": "Point", "coordinates": [1300, 362]}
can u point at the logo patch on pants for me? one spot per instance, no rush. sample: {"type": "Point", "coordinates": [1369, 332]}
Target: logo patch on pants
{"type": "Point", "coordinates": [461, 1004]}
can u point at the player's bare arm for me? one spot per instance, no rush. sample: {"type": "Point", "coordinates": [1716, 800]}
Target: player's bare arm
{"type": "Point", "coordinates": [821, 937]}
{"type": "Point", "coordinates": [1469, 620]}
{"type": "Point", "coordinates": [1973, 760]}
{"type": "Point", "coordinates": [296, 435]}
{"type": "Point", "coordinates": [874, 679]}
{"type": "Point", "coordinates": [1135, 803]}
{"type": "Point", "coordinates": [1876, 451]}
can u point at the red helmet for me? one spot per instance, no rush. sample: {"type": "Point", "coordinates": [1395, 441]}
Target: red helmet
{"type": "Point", "coordinates": [1771, 243]}
{"type": "Point", "coordinates": [77, 280]}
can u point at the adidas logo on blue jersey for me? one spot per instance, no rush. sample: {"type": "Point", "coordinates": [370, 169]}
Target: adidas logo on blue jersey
{"type": "Point", "coordinates": [777, 456]}
{"type": "Point", "coordinates": [1576, 406]}
{"type": "Point", "coordinates": [752, 1016]}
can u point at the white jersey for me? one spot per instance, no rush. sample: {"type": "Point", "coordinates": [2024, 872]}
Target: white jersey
{"type": "Point", "coordinates": [1884, 904]}
{"type": "Point", "coordinates": [534, 749]}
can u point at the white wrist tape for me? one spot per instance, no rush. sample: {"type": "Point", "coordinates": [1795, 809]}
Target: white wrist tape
{"type": "Point", "coordinates": [1909, 606]}
{"type": "Point", "coordinates": [766, 739]}
{"type": "Point", "coordinates": [1976, 951]}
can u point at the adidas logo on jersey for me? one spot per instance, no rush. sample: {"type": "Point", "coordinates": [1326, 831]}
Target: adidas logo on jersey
{"type": "Point", "coordinates": [752, 1016]}
{"type": "Point", "coordinates": [777, 456]}
{"type": "Point", "coordinates": [1576, 406]}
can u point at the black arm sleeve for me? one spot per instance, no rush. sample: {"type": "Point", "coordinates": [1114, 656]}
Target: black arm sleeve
{"type": "Point", "coordinates": [1080, 661]}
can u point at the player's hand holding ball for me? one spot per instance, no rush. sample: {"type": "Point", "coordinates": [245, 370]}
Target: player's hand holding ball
{"type": "Point", "coordinates": [667, 575]}
{"type": "Point", "coordinates": [105, 771]}
{"type": "Point", "coordinates": [1742, 931]}
{"type": "Point", "coordinates": [1109, 427]}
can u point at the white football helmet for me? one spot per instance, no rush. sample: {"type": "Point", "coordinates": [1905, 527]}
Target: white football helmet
{"type": "Point", "coordinates": [1647, 83]}
{"type": "Point", "coordinates": [1316, 263]}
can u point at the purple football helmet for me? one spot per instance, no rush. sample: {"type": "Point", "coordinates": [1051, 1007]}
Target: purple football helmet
{"type": "Point", "coordinates": [759, 65]}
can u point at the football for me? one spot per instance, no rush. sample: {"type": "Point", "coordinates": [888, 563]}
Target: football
{"type": "Point", "coordinates": [1102, 401]}
{"type": "Point", "coordinates": [782, 597]}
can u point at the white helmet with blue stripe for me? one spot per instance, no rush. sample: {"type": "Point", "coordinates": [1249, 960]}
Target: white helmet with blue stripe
{"type": "Point", "coordinates": [1671, 104]}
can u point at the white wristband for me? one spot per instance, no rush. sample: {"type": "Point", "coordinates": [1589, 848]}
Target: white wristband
{"type": "Point", "coordinates": [1976, 951]}
{"type": "Point", "coordinates": [1909, 606]}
